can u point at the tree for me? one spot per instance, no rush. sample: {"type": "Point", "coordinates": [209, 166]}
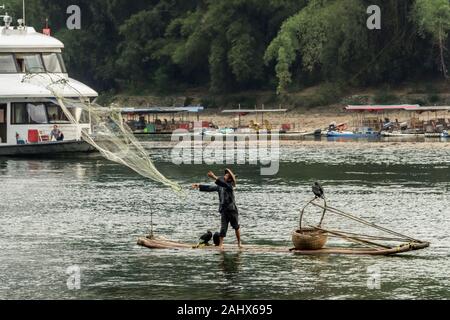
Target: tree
{"type": "Point", "coordinates": [229, 38]}
{"type": "Point", "coordinates": [433, 18]}
{"type": "Point", "coordinates": [321, 39]}
{"type": "Point", "coordinates": [233, 45]}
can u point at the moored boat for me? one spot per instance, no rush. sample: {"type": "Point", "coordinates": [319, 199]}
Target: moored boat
{"type": "Point", "coordinates": [332, 134]}
{"type": "Point", "coordinates": [30, 62]}
{"type": "Point", "coordinates": [443, 134]}
{"type": "Point", "coordinates": [358, 133]}
{"type": "Point", "coordinates": [401, 134]}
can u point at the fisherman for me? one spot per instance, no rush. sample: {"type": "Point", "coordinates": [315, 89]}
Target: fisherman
{"type": "Point", "coordinates": [228, 209]}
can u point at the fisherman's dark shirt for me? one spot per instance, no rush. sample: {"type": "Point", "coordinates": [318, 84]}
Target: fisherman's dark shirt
{"type": "Point", "coordinates": [226, 195]}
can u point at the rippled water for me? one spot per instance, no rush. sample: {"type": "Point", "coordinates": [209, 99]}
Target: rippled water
{"type": "Point", "coordinates": [88, 212]}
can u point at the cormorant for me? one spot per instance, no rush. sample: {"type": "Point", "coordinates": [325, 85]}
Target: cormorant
{"type": "Point", "coordinates": [206, 238]}
{"type": "Point", "coordinates": [318, 190]}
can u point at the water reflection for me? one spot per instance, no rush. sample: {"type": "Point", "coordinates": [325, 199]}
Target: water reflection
{"type": "Point", "coordinates": [231, 266]}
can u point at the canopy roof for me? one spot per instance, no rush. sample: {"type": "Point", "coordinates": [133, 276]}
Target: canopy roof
{"type": "Point", "coordinates": [433, 108]}
{"type": "Point", "coordinates": [405, 107]}
{"type": "Point", "coordinates": [14, 86]}
{"type": "Point", "coordinates": [254, 110]}
{"type": "Point", "coordinates": [156, 110]}
{"type": "Point", "coordinates": [382, 107]}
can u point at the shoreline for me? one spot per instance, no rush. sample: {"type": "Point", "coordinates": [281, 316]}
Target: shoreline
{"type": "Point", "coordinates": [302, 114]}
{"type": "Point", "coordinates": [307, 120]}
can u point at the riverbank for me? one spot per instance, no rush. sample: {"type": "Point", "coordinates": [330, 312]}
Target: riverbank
{"type": "Point", "coordinates": [308, 109]}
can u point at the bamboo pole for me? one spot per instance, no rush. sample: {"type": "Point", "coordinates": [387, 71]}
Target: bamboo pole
{"type": "Point", "coordinates": [373, 225]}
{"type": "Point", "coordinates": [356, 240]}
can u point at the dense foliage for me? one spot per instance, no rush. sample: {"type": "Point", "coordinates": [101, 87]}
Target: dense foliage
{"type": "Point", "coordinates": [234, 45]}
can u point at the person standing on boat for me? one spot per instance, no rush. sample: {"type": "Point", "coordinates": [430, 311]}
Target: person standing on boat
{"type": "Point", "coordinates": [228, 209]}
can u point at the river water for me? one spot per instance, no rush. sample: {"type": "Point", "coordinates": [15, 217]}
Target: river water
{"type": "Point", "coordinates": [85, 214]}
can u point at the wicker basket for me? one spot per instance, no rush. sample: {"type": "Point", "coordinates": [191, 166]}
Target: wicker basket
{"type": "Point", "coordinates": [309, 239]}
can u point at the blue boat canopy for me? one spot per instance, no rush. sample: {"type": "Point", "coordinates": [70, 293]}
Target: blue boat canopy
{"type": "Point", "coordinates": [166, 110]}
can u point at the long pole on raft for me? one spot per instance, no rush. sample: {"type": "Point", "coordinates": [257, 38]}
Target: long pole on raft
{"type": "Point", "coordinates": [367, 237]}
{"type": "Point", "coordinates": [347, 215]}
{"type": "Point", "coordinates": [354, 239]}
{"type": "Point", "coordinates": [337, 211]}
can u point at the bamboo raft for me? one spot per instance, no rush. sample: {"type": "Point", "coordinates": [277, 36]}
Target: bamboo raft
{"type": "Point", "coordinates": [164, 244]}
{"type": "Point", "coordinates": [311, 240]}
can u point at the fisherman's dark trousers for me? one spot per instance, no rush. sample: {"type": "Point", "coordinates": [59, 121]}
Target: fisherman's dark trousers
{"type": "Point", "coordinates": [229, 217]}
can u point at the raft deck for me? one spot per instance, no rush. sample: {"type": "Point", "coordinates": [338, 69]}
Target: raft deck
{"type": "Point", "coordinates": [172, 245]}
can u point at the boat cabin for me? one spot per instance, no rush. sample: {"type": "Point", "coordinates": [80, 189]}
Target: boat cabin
{"type": "Point", "coordinates": [30, 63]}
{"type": "Point", "coordinates": [32, 120]}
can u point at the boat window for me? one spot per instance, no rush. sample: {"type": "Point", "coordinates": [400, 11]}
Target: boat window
{"type": "Point", "coordinates": [28, 113]}
{"type": "Point", "coordinates": [61, 62]}
{"type": "Point", "coordinates": [52, 62]}
{"type": "Point", "coordinates": [2, 113]}
{"type": "Point", "coordinates": [37, 113]}
{"type": "Point", "coordinates": [19, 114]}
{"type": "Point", "coordinates": [7, 64]}
{"type": "Point", "coordinates": [55, 114]}
{"type": "Point", "coordinates": [80, 115]}
{"type": "Point", "coordinates": [30, 63]}
{"type": "Point", "coordinates": [40, 113]}
{"type": "Point", "coordinates": [84, 118]}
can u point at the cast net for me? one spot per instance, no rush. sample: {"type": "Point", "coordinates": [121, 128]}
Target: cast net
{"type": "Point", "coordinates": [110, 135]}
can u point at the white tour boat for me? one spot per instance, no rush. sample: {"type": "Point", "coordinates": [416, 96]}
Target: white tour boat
{"type": "Point", "coordinates": [29, 111]}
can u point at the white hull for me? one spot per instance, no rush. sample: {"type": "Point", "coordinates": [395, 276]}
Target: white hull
{"type": "Point", "coordinates": [403, 135]}
{"type": "Point", "coordinates": [46, 149]}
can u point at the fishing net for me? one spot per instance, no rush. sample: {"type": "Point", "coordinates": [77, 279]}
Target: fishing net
{"type": "Point", "coordinates": [110, 135]}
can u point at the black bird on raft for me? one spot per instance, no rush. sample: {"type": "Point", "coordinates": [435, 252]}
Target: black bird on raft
{"type": "Point", "coordinates": [206, 238]}
{"type": "Point", "coordinates": [318, 191]}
